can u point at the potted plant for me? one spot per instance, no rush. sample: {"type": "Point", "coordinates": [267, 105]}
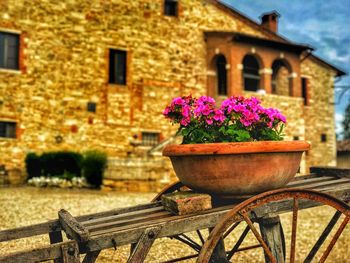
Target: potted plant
{"type": "Point", "coordinates": [233, 149]}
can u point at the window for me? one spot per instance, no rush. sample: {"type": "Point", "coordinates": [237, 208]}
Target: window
{"type": "Point", "coordinates": [251, 76]}
{"type": "Point", "coordinates": [304, 90]}
{"type": "Point", "coordinates": [91, 107]}
{"type": "Point", "coordinates": [150, 138]}
{"type": "Point", "coordinates": [117, 66]}
{"type": "Point", "coordinates": [323, 137]}
{"type": "Point", "coordinates": [7, 129]}
{"type": "Point", "coordinates": [221, 75]}
{"type": "Point", "coordinates": [171, 7]}
{"type": "Point", "coordinates": [281, 83]}
{"type": "Point", "coordinates": [9, 50]}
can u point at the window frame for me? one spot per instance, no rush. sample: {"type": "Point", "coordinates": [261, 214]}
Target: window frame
{"type": "Point", "coordinates": [305, 90]}
{"type": "Point", "coordinates": [4, 50]}
{"type": "Point", "coordinates": [221, 75]}
{"type": "Point", "coordinates": [167, 2]}
{"type": "Point", "coordinates": [248, 73]}
{"type": "Point", "coordinates": [113, 58]}
{"type": "Point", "coordinates": [150, 140]}
{"type": "Point", "coordinates": [9, 133]}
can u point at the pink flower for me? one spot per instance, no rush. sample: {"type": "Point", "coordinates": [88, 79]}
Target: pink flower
{"type": "Point", "coordinates": [209, 121]}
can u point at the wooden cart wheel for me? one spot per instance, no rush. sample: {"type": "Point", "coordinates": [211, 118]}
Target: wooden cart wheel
{"type": "Point", "coordinates": [270, 202]}
{"type": "Point", "coordinates": [198, 238]}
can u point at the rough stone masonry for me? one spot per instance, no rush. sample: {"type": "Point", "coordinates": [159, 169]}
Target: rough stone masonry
{"type": "Point", "coordinates": [64, 59]}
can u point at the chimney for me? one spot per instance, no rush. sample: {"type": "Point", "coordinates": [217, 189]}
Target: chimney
{"type": "Point", "coordinates": [270, 21]}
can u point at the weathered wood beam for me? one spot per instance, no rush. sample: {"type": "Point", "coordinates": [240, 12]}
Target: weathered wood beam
{"type": "Point", "coordinates": [144, 244]}
{"type": "Point", "coordinates": [91, 257]}
{"type": "Point", "coordinates": [36, 255]}
{"type": "Point", "coordinates": [28, 231]}
{"type": "Point", "coordinates": [56, 237]}
{"type": "Point", "coordinates": [70, 253]}
{"type": "Point", "coordinates": [72, 227]}
{"type": "Point", "coordinates": [54, 225]}
{"type": "Point", "coordinates": [271, 231]}
{"type": "Point", "coordinates": [330, 171]}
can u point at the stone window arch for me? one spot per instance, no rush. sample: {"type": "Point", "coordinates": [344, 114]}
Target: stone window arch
{"type": "Point", "coordinates": [281, 82]}
{"type": "Point", "coordinates": [251, 76]}
{"type": "Point", "coordinates": [221, 75]}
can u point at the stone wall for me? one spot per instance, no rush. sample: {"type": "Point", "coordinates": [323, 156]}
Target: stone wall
{"type": "Point", "coordinates": [64, 65]}
{"type": "Point", "coordinates": [319, 115]}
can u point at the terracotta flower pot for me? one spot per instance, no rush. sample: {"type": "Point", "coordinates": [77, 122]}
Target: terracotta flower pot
{"type": "Point", "coordinates": [236, 168]}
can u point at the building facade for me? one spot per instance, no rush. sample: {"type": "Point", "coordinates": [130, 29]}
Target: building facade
{"type": "Point", "coordinates": [81, 75]}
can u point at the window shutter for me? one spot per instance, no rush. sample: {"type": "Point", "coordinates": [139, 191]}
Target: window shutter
{"type": "Point", "coordinates": [121, 67]}
{"type": "Point", "coordinates": [12, 51]}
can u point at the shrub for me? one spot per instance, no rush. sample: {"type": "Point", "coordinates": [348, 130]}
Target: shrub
{"type": "Point", "coordinates": [61, 163]}
{"type": "Point", "coordinates": [33, 165]}
{"type": "Point", "coordinates": [94, 164]}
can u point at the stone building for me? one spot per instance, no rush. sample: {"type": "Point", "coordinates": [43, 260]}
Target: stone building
{"type": "Point", "coordinates": [80, 75]}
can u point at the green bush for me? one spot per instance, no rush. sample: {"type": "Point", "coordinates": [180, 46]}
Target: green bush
{"type": "Point", "coordinates": [60, 163]}
{"type": "Point", "coordinates": [33, 165]}
{"type": "Point", "coordinates": [94, 164]}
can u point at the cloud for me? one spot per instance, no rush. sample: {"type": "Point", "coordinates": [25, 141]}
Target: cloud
{"type": "Point", "coordinates": [338, 123]}
{"type": "Point", "coordinates": [339, 117]}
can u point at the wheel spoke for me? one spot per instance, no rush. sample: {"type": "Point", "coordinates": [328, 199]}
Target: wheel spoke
{"type": "Point", "coordinates": [190, 244]}
{"type": "Point", "coordinates": [190, 240]}
{"type": "Point", "coordinates": [258, 237]}
{"type": "Point", "coordinates": [335, 238]}
{"type": "Point", "coordinates": [323, 237]}
{"type": "Point", "coordinates": [231, 229]}
{"type": "Point", "coordinates": [294, 229]}
{"type": "Point", "coordinates": [239, 242]}
{"type": "Point", "coordinates": [180, 259]}
{"type": "Point", "coordinates": [200, 236]}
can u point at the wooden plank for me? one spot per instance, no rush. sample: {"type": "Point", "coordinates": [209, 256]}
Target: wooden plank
{"type": "Point", "coordinates": [271, 232]}
{"type": "Point", "coordinates": [36, 255]}
{"type": "Point", "coordinates": [144, 245]}
{"type": "Point", "coordinates": [302, 182]}
{"type": "Point", "coordinates": [72, 227]}
{"type": "Point", "coordinates": [56, 237]}
{"type": "Point", "coordinates": [28, 231]}
{"type": "Point", "coordinates": [163, 214]}
{"type": "Point", "coordinates": [91, 256]}
{"type": "Point", "coordinates": [155, 221]}
{"type": "Point", "coordinates": [305, 176]}
{"type": "Point", "coordinates": [70, 253]}
{"type": "Point", "coordinates": [54, 225]}
{"type": "Point", "coordinates": [132, 214]}
{"type": "Point", "coordinates": [118, 211]}
{"type": "Point", "coordinates": [331, 171]}
{"type": "Point", "coordinates": [169, 228]}
{"type": "Point", "coordinates": [321, 184]}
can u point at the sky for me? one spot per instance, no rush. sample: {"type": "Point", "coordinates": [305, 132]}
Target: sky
{"type": "Point", "coordinates": [323, 24]}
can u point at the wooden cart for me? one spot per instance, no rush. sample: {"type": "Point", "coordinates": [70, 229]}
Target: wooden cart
{"type": "Point", "coordinates": [141, 225]}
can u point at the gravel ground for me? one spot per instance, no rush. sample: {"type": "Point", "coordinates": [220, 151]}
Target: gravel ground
{"type": "Point", "coordinates": [28, 205]}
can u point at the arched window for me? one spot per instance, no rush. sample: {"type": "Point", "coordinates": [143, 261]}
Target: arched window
{"type": "Point", "coordinates": [251, 77]}
{"type": "Point", "coordinates": [221, 75]}
{"type": "Point", "coordinates": [281, 83]}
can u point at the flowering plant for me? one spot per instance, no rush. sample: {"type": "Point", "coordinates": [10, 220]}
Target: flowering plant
{"type": "Point", "coordinates": [238, 119]}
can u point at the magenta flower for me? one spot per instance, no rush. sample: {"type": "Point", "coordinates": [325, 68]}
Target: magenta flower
{"type": "Point", "coordinates": [243, 114]}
